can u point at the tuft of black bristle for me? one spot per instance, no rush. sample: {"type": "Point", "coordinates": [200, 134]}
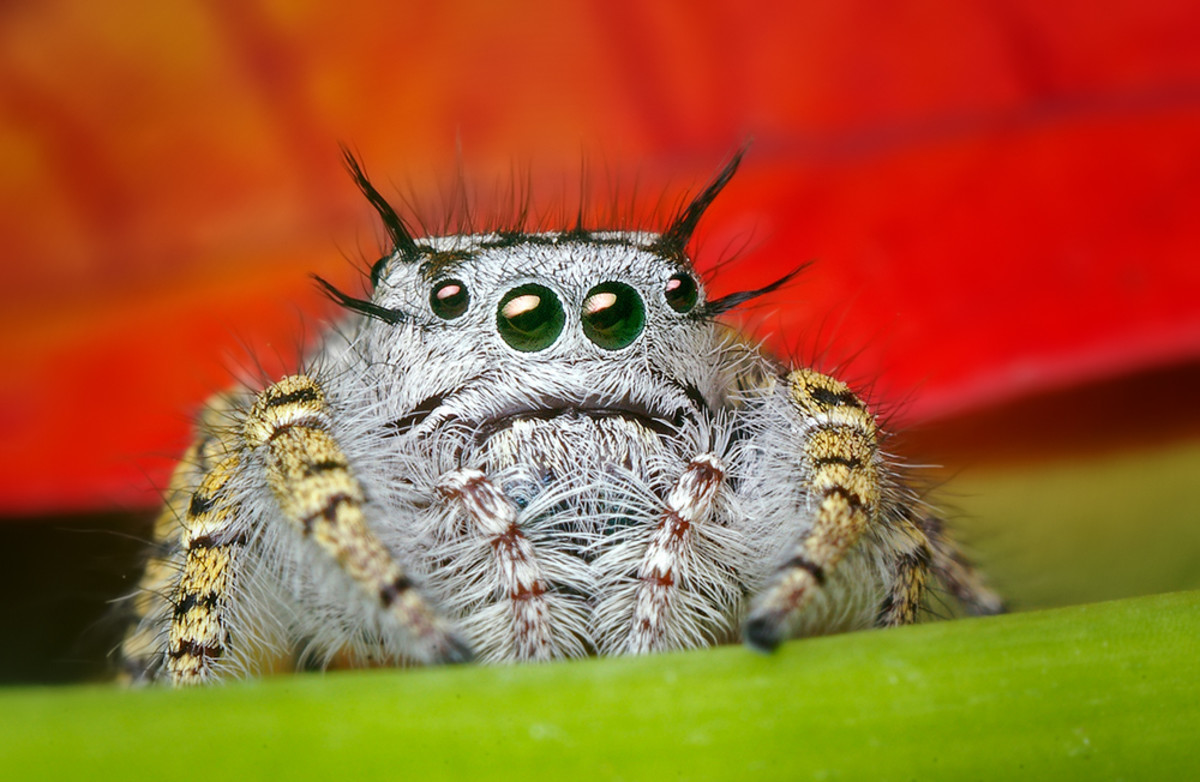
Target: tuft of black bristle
{"type": "Point", "coordinates": [368, 308]}
{"type": "Point", "coordinates": [675, 238]}
{"type": "Point", "coordinates": [726, 303]}
{"type": "Point", "coordinates": [401, 236]}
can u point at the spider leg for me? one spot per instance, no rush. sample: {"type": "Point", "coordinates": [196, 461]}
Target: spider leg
{"type": "Point", "coordinates": [924, 550]}
{"type": "Point", "coordinates": [956, 573]}
{"type": "Point", "coordinates": [665, 561]}
{"type": "Point", "coordinates": [212, 540]}
{"type": "Point", "coordinates": [839, 449]}
{"type": "Point", "coordinates": [518, 574]}
{"type": "Point", "coordinates": [317, 492]}
{"type": "Point", "coordinates": [909, 571]}
{"type": "Point", "coordinates": [139, 655]}
{"type": "Point", "coordinates": [179, 624]}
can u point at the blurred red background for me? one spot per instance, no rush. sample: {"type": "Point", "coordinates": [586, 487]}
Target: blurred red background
{"type": "Point", "coordinates": [1001, 197]}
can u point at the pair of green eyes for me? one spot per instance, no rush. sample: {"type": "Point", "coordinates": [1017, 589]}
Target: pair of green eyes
{"type": "Point", "coordinates": [530, 317]}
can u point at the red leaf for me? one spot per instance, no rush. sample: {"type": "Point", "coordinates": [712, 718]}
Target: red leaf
{"type": "Point", "coordinates": [1000, 197]}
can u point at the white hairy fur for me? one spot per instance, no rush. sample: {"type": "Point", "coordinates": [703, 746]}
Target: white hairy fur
{"type": "Point", "coordinates": [588, 492]}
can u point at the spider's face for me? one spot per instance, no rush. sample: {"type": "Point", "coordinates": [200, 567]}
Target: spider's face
{"type": "Point", "coordinates": [556, 297]}
{"type": "Point", "coordinates": [552, 297]}
{"type": "Point", "coordinates": [524, 328]}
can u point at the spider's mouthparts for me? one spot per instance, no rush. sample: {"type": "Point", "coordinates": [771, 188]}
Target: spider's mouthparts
{"type": "Point", "coordinates": [549, 409]}
{"type": "Point", "coordinates": [664, 419]}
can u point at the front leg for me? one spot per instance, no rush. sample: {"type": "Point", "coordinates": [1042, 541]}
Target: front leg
{"type": "Point", "coordinates": [669, 554]}
{"type": "Point", "coordinates": [315, 488]}
{"type": "Point", "coordinates": [213, 538]}
{"type": "Point", "coordinates": [841, 458]}
{"type": "Point", "coordinates": [516, 570]}
{"type": "Point", "coordinates": [189, 607]}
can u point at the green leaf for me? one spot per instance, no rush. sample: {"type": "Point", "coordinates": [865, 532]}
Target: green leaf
{"type": "Point", "coordinates": [1099, 691]}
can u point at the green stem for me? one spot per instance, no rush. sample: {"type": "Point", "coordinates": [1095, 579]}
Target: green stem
{"type": "Point", "coordinates": [1097, 691]}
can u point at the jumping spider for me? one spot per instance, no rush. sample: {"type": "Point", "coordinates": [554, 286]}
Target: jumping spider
{"type": "Point", "coordinates": [529, 446]}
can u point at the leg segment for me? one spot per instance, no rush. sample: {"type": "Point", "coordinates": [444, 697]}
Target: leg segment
{"type": "Point", "coordinates": [179, 623]}
{"type": "Point", "coordinates": [841, 455]}
{"type": "Point", "coordinates": [212, 540]}
{"type": "Point", "coordinates": [664, 563]}
{"type": "Point", "coordinates": [311, 480]}
{"type": "Point", "coordinates": [925, 550]}
{"type": "Point", "coordinates": [909, 576]}
{"type": "Point", "coordinates": [519, 575]}
{"type": "Point", "coordinates": [141, 653]}
{"type": "Point", "coordinates": [953, 570]}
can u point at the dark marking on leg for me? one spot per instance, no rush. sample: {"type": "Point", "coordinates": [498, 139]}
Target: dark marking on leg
{"type": "Point", "coordinates": [885, 608]}
{"type": "Point", "coordinates": [852, 499]}
{"type": "Point", "coordinates": [846, 461]}
{"type": "Point", "coordinates": [830, 398]}
{"type": "Point", "coordinates": [391, 592]}
{"type": "Point", "coordinates": [193, 649]}
{"type": "Point", "coordinates": [810, 567]}
{"type": "Point", "coordinates": [305, 422]}
{"type": "Point", "coordinates": [299, 395]}
{"type": "Point", "coordinates": [190, 601]}
{"type": "Point", "coordinates": [200, 505]}
{"type": "Point", "coordinates": [325, 466]}
{"type": "Point", "coordinates": [328, 512]}
{"type": "Point", "coordinates": [211, 541]}
{"type": "Point", "coordinates": [523, 592]}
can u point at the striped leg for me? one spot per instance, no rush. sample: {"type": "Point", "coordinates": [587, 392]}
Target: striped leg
{"type": "Point", "coordinates": [519, 576]}
{"type": "Point", "coordinates": [665, 560]}
{"type": "Point", "coordinates": [317, 492]}
{"type": "Point", "coordinates": [212, 540]}
{"type": "Point", "coordinates": [840, 452]}
{"type": "Point", "coordinates": [141, 655]}
{"type": "Point", "coordinates": [953, 570]}
{"type": "Point", "coordinates": [909, 576]}
{"type": "Point", "coordinates": [146, 650]}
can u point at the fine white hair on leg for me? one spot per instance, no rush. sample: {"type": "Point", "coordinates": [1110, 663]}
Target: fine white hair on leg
{"type": "Point", "coordinates": [518, 576]}
{"type": "Point", "coordinates": [666, 561]}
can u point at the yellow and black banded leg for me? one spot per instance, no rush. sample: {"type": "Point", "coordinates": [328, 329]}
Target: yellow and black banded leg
{"type": "Point", "coordinates": [141, 652]}
{"type": "Point", "coordinates": [212, 540]}
{"type": "Point", "coordinates": [909, 575]}
{"type": "Point", "coordinates": [144, 649]}
{"type": "Point", "coordinates": [956, 574]}
{"type": "Point", "coordinates": [840, 452]}
{"type": "Point", "coordinates": [316, 490]}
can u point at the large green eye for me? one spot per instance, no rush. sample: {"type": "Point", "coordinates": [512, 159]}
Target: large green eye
{"type": "Point", "coordinates": [449, 299]}
{"type": "Point", "coordinates": [530, 317]}
{"type": "Point", "coordinates": [613, 315]}
{"type": "Point", "coordinates": [681, 292]}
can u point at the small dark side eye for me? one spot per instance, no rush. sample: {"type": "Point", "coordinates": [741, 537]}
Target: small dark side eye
{"type": "Point", "coordinates": [681, 292]}
{"type": "Point", "coordinates": [449, 299]}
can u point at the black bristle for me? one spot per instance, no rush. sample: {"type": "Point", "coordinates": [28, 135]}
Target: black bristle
{"type": "Point", "coordinates": [675, 238]}
{"type": "Point", "coordinates": [401, 236]}
{"type": "Point", "coordinates": [726, 303]}
{"type": "Point", "coordinates": [368, 308]}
